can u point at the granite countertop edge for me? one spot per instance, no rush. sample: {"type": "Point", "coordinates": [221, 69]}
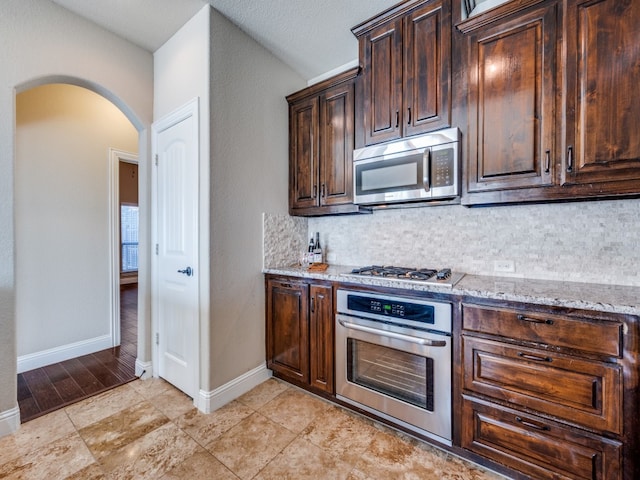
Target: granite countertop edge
{"type": "Point", "coordinates": [621, 299]}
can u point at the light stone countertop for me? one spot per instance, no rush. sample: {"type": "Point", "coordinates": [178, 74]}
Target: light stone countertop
{"type": "Point", "coordinates": [588, 296]}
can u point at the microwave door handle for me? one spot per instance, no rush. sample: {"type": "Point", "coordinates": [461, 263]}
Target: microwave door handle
{"type": "Point", "coordinates": [426, 169]}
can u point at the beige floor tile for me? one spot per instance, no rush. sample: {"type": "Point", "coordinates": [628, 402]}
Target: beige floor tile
{"type": "Point", "coordinates": [172, 403]}
{"type": "Point", "coordinates": [340, 433]}
{"type": "Point", "coordinates": [101, 406]}
{"type": "Point", "coordinates": [263, 393]}
{"type": "Point", "coordinates": [247, 448]}
{"type": "Point", "coordinates": [150, 456]}
{"type": "Point", "coordinates": [58, 459]}
{"type": "Point", "coordinates": [122, 428]}
{"type": "Point", "coordinates": [356, 474]}
{"type": "Point", "coordinates": [35, 434]}
{"type": "Point", "coordinates": [207, 427]}
{"type": "Point", "coordinates": [151, 387]}
{"type": "Point", "coordinates": [91, 472]}
{"type": "Point", "coordinates": [294, 409]}
{"type": "Point", "coordinates": [458, 469]}
{"type": "Point", "coordinates": [200, 465]}
{"type": "Point", "coordinates": [394, 457]}
{"type": "Point", "coordinates": [301, 460]}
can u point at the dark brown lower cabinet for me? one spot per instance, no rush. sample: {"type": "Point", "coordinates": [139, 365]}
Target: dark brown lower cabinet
{"type": "Point", "coordinates": [300, 332]}
{"type": "Point", "coordinates": [537, 447]}
{"type": "Point", "coordinates": [550, 392]}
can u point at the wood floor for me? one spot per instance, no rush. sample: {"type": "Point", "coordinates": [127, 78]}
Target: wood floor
{"type": "Point", "coordinates": [49, 388]}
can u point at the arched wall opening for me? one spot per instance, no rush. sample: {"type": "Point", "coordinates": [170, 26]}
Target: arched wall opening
{"type": "Point", "coordinates": [62, 183]}
{"type": "Point", "coordinates": [138, 140]}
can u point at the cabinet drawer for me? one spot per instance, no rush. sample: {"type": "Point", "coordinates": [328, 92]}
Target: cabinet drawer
{"type": "Point", "coordinates": [583, 392]}
{"type": "Point", "coordinates": [537, 447]}
{"type": "Point", "coordinates": [588, 335]}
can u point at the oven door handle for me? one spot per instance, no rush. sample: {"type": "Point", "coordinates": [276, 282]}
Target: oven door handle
{"type": "Point", "coordinates": [399, 336]}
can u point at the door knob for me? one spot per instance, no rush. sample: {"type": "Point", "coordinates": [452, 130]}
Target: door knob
{"type": "Point", "coordinates": [187, 271]}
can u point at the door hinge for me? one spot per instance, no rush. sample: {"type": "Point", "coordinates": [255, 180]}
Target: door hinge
{"type": "Point", "coordinates": [157, 339]}
{"type": "Point", "coordinates": [156, 159]}
{"type": "Point", "coordinates": [157, 249]}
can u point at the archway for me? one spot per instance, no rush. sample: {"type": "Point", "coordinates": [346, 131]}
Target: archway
{"type": "Point", "coordinates": [62, 195]}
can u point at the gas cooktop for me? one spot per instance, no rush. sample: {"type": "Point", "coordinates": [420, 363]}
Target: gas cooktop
{"type": "Point", "coordinates": [422, 276]}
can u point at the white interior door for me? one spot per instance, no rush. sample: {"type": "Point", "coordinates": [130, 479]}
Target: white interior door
{"type": "Point", "coordinates": [175, 316]}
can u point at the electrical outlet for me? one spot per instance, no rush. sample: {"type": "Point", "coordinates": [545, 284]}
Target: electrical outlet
{"type": "Point", "coordinates": [504, 266]}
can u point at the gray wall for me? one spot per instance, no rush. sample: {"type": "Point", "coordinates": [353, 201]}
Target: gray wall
{"type": "Point", "coordinates": [249, 175]}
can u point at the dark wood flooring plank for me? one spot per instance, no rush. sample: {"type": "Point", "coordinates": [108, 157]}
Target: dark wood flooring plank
{"type": "Point", "coordinates": [43, 391]}
{"type": "Point", "coordinates": [56, 372]}
{"type": "Point", "coordinates": [23, 388]}
{"type": "Point", "coordinates": [28, 409]}
{"type": "Point", "coordinates": [98, 370]}
{"type": "Point", "coordinates": [83, 377]}
{"type": "Point", "coordinates": [68, 389]}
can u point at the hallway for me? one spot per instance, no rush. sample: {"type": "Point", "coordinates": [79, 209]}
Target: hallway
{"type": "Point", "coordinates": [52, 387]}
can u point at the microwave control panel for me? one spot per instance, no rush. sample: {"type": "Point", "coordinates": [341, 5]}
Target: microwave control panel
{"type": "Point", "coordinates": [442, 167]}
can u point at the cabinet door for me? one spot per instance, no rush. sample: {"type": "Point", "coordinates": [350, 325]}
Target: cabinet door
{"type": "Point", "coordinates": [321, 338]}
{"type": "Point", "coordinates": [603, 104]}
{"type": "Point", "coordinates": [382, 82]}
{"type": "Point", "coordinates": [303, 153]}
{"type": "Point", "coordinates": [427, 66]}
{"type": "Point", "coordinates": [512, 91]}
{"type": "Point", "coordinates": [288, 329]}
{"type": "Point", "coordinates": [337, 143]}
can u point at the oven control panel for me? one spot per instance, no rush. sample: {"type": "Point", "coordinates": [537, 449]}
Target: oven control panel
{"type": "Point", "coordinates": [391, 308]}
{"type": "Point", "coordinates": [407, 311]}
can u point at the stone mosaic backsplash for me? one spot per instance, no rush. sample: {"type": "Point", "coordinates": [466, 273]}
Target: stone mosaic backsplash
{"type": "Point", "coordinates": [594, 242]}
{"type": "Point", "coordinates": [284, 239]}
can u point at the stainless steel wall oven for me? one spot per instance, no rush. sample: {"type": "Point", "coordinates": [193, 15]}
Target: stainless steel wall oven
{"type": "Point", "coordinates": [393, 358]}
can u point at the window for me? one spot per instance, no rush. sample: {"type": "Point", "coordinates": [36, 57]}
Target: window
{"type": "Point", "coordinates": [129, 238]}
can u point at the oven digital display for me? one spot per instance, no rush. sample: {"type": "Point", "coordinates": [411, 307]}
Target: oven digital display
{"type": "Point", "coordinates": [395, 309]}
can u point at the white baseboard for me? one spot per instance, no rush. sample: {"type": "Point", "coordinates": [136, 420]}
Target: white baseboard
{"type": "Point", "coordinates": [144, 370]}
{"type": "Point", "coordinates": [207, 402]}
{"type": "Point", "coordinates": [62, 353]}
{"type": "Point", "coordinates": [9, 421]}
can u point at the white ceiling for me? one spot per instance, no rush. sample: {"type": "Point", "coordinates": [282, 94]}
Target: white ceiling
{"type": "Point", "coordinates": [312, 36]}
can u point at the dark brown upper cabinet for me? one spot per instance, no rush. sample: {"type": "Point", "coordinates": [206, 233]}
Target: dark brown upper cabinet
{"type": "Point", "coordinates": [602, 65]}
{"type": "Point", "coordinates": [321, 143]}
{"type": "Point", "coordinates": [551, 102]}
{"type": "Point", "coordinates": [512, 125]}
{"type": "Point", "coordinates": [405, 55]}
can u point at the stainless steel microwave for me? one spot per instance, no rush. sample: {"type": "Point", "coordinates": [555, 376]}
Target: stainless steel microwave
{"type": "Point", "coordinates": [421, 168]}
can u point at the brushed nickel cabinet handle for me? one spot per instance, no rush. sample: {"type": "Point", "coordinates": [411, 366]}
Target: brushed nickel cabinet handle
{"type": "Point", "coordinates": [570, 158]}
{"type": "Point", "coordinates": [524, 422]}
{"type": "Point", "coordinates": [546, 321]}
{"type": "Point", "coordinates": [535, 358]}
{"type": "Point", "coordinates": [547, 161]}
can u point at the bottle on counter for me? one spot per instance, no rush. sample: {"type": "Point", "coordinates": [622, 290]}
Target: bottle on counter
{"type": "Point", "coordinates": [317, 250]}
{"type": "Point", "coordinates": [310, 251]}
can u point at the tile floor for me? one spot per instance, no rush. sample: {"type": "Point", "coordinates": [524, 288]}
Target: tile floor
{"type": "Point", "coordinates": [148, 429]}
